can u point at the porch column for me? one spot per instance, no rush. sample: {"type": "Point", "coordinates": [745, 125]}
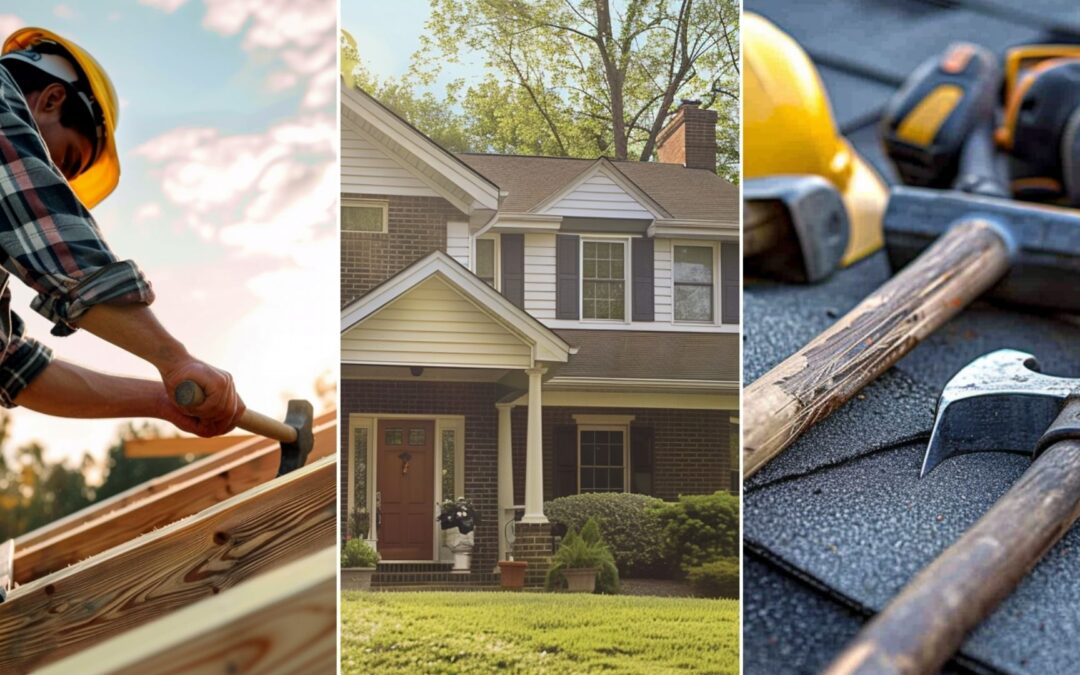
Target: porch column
{"type": "Point", "coordinates": [506, 475]}
{"type": "Point", "coordinates": [534, 453]}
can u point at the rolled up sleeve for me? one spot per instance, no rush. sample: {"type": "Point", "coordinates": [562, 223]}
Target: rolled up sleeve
{"type": "Point", "coordinates": [24, 360]}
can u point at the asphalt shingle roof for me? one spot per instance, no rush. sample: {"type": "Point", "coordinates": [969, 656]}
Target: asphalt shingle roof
{"type": "Point", "coordinates": [841, 521]}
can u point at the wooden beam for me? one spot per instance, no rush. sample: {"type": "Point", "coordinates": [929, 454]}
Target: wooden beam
{"type": "Point", "coordinates": [170, 568]}
{"type": "Point", "coordinates": [180, 446]}
{"type": "Point", "coordinates": [324, 445]}
{"type": "Point", "coordinates": [80, 541]}
{"type": "Point", "coordinates": [283, 621]}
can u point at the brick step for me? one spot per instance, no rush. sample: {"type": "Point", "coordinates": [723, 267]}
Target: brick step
{"type": "Point", "coordinates": [386, 579]}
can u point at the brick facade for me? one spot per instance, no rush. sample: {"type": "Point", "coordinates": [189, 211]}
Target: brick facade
{"type": "Point", "coordinates": [416, 227]}
{"type": "Point", "coordinates": [476, 402]}
{"type": "Point", "coordinates": [533, 544]}
{"type": "Point", "coordinates": [692, 448]}
{"type": "Point", "coordinates": [689, 138]}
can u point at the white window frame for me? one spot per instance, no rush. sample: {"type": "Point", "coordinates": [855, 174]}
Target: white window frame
{"type": "Point", "coordinates": [625, 429]}
{"type": "Point", "coordinates": [384, 204]}
{"type": "Point", "coordinates": [605, 239]}
{"type": "Point", "coordinates": [715, 246]}
{"type": "Point", "coordinates": [498, 257]}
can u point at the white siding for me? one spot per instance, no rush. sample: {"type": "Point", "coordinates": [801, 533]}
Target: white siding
{"type": "Point", "coordinates": [458, 245]}
{"type": "Point", "coordinates": [599, 197]}
{"type": "Point", "coordinates": [662, 256]}
{"type": "Point", "coordinates": [434, 325]}
{"type": "Point", "coordinates": [365, 169]}
{"type": "Point", "coordinates": [540, 275]}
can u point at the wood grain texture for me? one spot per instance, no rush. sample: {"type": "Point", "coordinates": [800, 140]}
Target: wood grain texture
{"type": "Point", "coordinates": [178, 447]}
{"type": "Point", "coordinates": [325, 444]}
{"type": "Point", "coordinates": [927, 622]}
{"type": "Point", "coordinates": [173, 567]}
{"type": "Point", "coordinates": [819, 378]}
{"type": "Point", "coordinates": [765, 226]}
{"type": "Point", "coordinates": [283, 621]}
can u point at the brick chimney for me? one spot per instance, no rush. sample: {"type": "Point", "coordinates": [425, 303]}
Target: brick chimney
{"type": "Point", "coordinates": [689, 138]}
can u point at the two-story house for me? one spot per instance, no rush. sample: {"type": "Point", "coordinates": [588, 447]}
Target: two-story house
{"type": "Point", "coordinates": [516, 329]}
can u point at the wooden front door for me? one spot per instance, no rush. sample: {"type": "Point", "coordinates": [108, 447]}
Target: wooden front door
{"type": "Point", "coordinates": [406, 485]}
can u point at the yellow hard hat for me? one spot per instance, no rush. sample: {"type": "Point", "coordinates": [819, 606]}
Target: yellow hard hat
{"type": "Point", "coordinates": [100, 178]}
{"type": "Point", "coordinates": [788, 128]}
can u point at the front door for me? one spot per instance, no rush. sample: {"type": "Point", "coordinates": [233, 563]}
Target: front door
{"type": "Point", "coordinates": [406, 485]}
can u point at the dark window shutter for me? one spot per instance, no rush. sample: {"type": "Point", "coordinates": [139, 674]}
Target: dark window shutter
{"type": "Point", "coordinates": [513, 267]}
{"type": "Point", "coordinates": [641, 459]}
{"type": "Point", "coordinates": [567, 273]}
{"type": "Point", "coordinates": [642, 269]}
{"type": "Point", "coordinates": [566, 466]}
{"type": "Point", "coordinates": [729, 282]}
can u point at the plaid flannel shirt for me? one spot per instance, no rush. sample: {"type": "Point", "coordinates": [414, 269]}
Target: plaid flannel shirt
{"type": "Point", "coordinates": [50, 242]}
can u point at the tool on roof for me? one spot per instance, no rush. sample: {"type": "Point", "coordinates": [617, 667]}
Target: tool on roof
{"type": "Point", "coordinates": [92, 84]}
{"type": "Point", "coordinates": [999, 402]}
{"type": "Point", "coordinates": [788, 128]}
{"type": "Point", "coordinates": [294, 433]}
{"type": "Point", "coordinates": [1041, 127]}
{"type": "Point", "coordinates": [925, 125]}
{"type": "Point", "coordinates": [966, 244]}
{"type": "Point", "coordinates": [795, 228]}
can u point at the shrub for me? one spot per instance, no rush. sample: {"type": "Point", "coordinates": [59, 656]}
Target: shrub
{"type": "Point", "coordinates": [717, 579]}
{"type": "Point", "coordinates": [358, 553]}
{"type": "Point", "coordinates": [629, 524]}
{"type": "Point", "coordinates": [585, 550]}
{"type": "Point", "coordinates": [699, 529]}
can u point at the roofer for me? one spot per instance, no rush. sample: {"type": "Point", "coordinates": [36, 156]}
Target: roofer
{"type": "Point", "coordinates": [58, 159]}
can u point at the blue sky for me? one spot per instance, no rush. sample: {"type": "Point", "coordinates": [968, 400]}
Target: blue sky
{"type": "Point", "coordinates": [227, 199]}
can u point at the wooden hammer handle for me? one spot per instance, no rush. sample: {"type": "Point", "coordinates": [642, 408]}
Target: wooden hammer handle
{"type": "Point", "coordinates": [806, 387]}
{"type": "Point", "coordinates": [927, 622]}
{"type": "Point", "coordinates": [189, 394]}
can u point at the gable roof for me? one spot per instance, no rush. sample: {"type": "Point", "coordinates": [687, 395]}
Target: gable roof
{"type": "Point", "coordinates": [691, 194]}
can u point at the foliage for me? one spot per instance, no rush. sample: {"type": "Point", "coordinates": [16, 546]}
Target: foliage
{"type": "Point", "coordinates": [629, 523]}
{"type": "Point", "coordinates": [701, 528]}
{"type": "Point", "coordinates": [358, 553]}
{"type": "Point", "coordinates": [716, 579]}
{"type": "Point", "coordinates": [359, 523]}
{"type": "Point", "coordinates": [486, 633]}
{"type": "Point", "coordinates": [584, 550]}
{"type": "Point", "coordinates": [458, 513]}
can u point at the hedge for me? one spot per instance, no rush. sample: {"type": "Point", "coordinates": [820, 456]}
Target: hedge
{"type": "Point", "coordinates": [629, 524]}
{"type": "Point", "coordinates": [700, 529]}
{"type": "Point", "coordinates": [717, 579]}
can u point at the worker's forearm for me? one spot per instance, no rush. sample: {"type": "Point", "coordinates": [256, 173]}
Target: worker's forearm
{"type": "Point", "coordinates": [136, 330]}
{"type": "Point", "coordinates": [67, 390]}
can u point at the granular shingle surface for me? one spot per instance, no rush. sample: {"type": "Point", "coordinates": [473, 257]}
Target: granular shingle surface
{"type": "Point", "coordinates": [841, 520]}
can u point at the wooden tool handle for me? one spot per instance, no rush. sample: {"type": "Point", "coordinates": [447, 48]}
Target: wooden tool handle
{"type": "Point", "coordinates": [764, 226]}
{"type": "Point", "coordinates": [778, 407]}
{"type": "Point", "coordinates": [189, 394]}
{"type": "Point", "coordinates": [924, 625]}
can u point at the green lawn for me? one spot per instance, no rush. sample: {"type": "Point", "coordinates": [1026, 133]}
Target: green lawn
{"type": "Point", "coordinates": [493, 632]}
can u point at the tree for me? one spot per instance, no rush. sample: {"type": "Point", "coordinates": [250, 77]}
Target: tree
{"type": "Point", "coordinates": [587, 77]}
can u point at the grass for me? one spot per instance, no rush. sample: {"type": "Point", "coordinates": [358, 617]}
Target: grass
{"type": "Point", "coordinates": [492, 632]}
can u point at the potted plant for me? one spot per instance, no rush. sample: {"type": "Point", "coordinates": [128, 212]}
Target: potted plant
{"type": "Point", "coordinates": [512, 573]}
{"type": "Point", "coordinates": [458, 520]}
{"type": "Point", "coordinates": [581, 560]}
{"type": "Point", "coordinates": [358, 561]}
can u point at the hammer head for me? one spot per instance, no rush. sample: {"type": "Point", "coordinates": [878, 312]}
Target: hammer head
{"type": "Point", "coordinates": [999, 402]}
{"type": "Point", "coordinates": [294, 455]}
{"type": "Point", "coordinates": [796, 227]}
{"type": "Point", "coordinates": [1045, 271]}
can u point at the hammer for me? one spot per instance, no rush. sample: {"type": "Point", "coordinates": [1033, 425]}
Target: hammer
{"type": "Point", "coordinates": [1002, 402]}
{"type": "Point", "coordinates": [294, 433]}
{"type": "Point", "coordinates": [795, 228]}
{"type": "Point", "coordinates": [969, 243]}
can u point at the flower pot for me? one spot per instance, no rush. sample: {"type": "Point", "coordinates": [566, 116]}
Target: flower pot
{"type": "Point", "coordinates": [512, 573]}
{"type": "Point", "coordinates": [461, 545]}
{"type": "Point", "coordinates": [356, 578]}
{"type": "Point", "coordinates": [580, 579]}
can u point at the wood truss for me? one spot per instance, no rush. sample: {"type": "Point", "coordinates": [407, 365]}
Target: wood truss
{"type": "Point", "coordinates": [208, 542]}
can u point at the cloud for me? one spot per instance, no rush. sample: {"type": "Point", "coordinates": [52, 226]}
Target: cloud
{"type": "Point", "coordinates": [167, 6]}
{"type": "Point", "coordinates": [149, 212]}
{"type": "Point", "coordinates": [9, 23]}
{"type": "Point", "coordinates": [63, 11]}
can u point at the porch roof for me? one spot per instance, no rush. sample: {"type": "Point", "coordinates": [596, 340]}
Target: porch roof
{"type": "Point", "coordinates": [437, 313]}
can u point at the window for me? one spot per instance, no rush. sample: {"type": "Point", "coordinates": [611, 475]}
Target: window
{"type": "Point", "coordinates": [360, 215]}
{"type": "Point", "coordinates": [694, 283]}
{"type": "Point", "coordinates": [485, 260]}
{"type": "Point", "coordinates": [602, 462]}
{"type": "Point", "coordinates": [603, 280]}
{"type": "Point", "coordinates": [448, 467]}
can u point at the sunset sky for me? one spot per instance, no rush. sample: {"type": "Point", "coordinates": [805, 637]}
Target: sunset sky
{"type": "Point", "coordinates": [228, 193]}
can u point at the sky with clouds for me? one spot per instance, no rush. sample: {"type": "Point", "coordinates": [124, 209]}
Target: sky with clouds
{"type": "Point", "coordinates": [228, 193]}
